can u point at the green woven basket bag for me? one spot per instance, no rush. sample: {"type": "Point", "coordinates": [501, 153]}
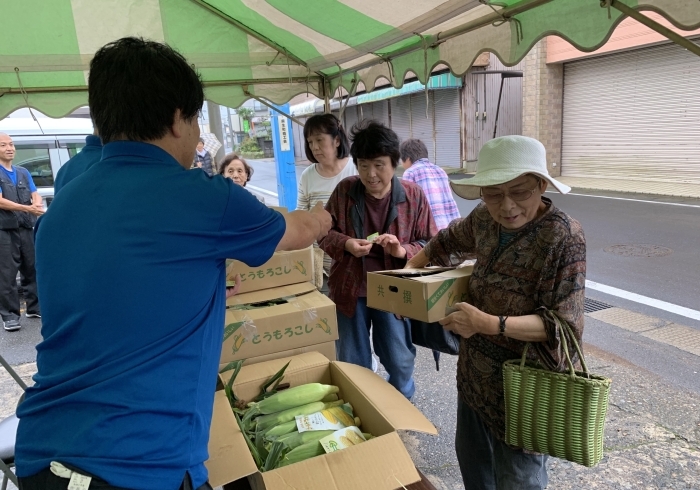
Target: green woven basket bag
{"type": "Point", "coordinates": [560, 414]}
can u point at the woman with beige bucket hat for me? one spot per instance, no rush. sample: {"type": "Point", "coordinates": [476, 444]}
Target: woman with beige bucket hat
{"type": "Point", "coordinates": [530, 268]}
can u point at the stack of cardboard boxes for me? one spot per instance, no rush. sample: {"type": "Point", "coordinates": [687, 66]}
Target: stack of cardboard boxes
{"type": "Point", "coordinates": [279, 317]}
{"type": "Point", "coordinates": [278, 312]}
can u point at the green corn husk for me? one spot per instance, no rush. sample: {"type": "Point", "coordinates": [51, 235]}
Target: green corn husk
{"type": "Point", "coordinates": [296, 439]}
{"type": "Point", "coordinates": [269, 420]}
{"type": "Point", "coordinates": [275, 456]}
{"type": "Point", "coordinates": [293, 397]}
{"type": "Point", "coordinates": [280, 430]}
{"type": "Point", "coordinates": [302, 453]}
{"type": "Point", "coordinates": [330, 398]}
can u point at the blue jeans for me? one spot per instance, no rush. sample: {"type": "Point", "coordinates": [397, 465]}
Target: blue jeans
{"type": "Point", "coordinates": [489, 464]}
{"type": "Point", "coordinates": [392, 343]}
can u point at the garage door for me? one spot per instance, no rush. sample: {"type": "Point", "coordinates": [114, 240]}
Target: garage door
{"type": "Point", "coordinates": [634, 116]}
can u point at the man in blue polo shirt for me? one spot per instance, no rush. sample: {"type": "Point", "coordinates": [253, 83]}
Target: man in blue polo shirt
{"type": "Point", "coordinates": [131, 268]}
{"type": "Point", "coordinates": [20, 204]}
{"type": "Point", "coordinates": [86, 158]}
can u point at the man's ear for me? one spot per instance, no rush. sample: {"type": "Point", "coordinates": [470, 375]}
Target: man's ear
{"type": "Point", "coordinates": [176, 128]}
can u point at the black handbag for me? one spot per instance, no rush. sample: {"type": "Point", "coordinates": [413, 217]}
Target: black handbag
{"type": "Point", "coordinates": [436, 338]}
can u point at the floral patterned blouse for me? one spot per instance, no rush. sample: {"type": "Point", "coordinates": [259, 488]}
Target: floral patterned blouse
{"type": "Point", "coordinates": [541, 270]}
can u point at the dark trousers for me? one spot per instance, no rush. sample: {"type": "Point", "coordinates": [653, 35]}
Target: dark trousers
{"type": "Point", "coordinates": [487, 463]}
{"type": "Point", "coordinates": [17, 254]}
{"type": "Point", "coordinates": [46, 480]}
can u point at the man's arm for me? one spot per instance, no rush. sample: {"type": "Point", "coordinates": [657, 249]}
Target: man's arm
{"type": "Point", "coordinates": [37, 200]}
{"type": "Point", "coordinates": [11, 205]}
{"type": "Point", "coordinates": [35, 209]}
{"type": "Point", "coordinates": [304, 228]}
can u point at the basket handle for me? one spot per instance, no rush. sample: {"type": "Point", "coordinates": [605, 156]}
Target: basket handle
{"type": "Point", "coordinates": [563, 326]}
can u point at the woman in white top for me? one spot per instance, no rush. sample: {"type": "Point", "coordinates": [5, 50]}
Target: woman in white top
{"type": "Point", "coordinates": [327, 146]}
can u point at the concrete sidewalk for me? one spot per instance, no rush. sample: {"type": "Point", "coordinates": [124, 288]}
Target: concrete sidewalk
{"type": "Point", "coordinates": [652, 434]}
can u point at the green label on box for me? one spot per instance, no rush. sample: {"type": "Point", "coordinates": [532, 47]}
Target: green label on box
{"type": "Point", "coordinates": [432, 301]}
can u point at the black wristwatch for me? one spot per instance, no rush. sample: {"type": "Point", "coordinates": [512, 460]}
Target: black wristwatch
{"type": "Point", "coordinates": [502, 325]}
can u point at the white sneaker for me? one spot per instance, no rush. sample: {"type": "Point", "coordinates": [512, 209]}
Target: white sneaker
{"type": "Point", "coordinates": [375, 364]}
{"type": "Point", "coordinates": [11, 325]}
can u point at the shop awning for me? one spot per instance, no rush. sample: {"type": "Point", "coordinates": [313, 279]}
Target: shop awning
{"type": "Point", "coordinates": [276, 49]}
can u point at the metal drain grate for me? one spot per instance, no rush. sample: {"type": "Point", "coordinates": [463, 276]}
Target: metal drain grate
{"type": "Point", "coordinates": [591, 305]}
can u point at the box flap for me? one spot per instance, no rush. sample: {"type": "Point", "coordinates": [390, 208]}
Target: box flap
{"type": "Point", "coordinates": [304, 368]}
{"type": "Point", "coordinates": [395, 408]}
{"type": "Point", "coordinates": [381, 463]}
{"type": "Point", "coordinates": [229, 457]}
{"type": "Point", "coordinates": [271, 294]}
{"type": "Point", "coordinates": [419, 272]}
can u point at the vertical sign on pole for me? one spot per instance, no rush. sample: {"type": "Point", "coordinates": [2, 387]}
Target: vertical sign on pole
{"type": "Point", "coordinates": [284, 158]}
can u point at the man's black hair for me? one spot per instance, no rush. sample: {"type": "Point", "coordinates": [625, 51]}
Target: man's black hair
{"type": "Point", "coordinates": [325, 124]}
{"type": "Point", "coordinates": [413, 149]}
{"type": "Point", "coordinates": [135, 86]}
{"type": "Point", "coordinates": [371, 139]}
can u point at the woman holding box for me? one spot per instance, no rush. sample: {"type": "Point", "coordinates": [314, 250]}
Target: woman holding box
{"type": "Point", "coordinates": [528, 277]}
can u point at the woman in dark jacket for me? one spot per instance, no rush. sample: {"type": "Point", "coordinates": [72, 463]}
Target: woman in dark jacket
{"type": "Point", "coordinates": [379, 222]}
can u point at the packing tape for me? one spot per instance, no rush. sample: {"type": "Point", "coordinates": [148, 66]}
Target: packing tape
{"type": "Point", "coordinates": [248, 329]}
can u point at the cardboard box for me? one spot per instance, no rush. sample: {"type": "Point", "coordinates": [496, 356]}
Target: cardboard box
{"type": "Point", "coordinates": [381, 463]}
{"type": "Point", "coordinates": [279, 209]}
{"type": "Point", "coordinates": [276, 320]}
{"type": "Point", "coordinates": [282, 269]}
{"type": "Point", "coordinates": [422, 294]}
{"type": "Point", "coordinates": [326, 348]}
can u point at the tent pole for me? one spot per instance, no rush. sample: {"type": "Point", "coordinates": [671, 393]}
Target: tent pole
{"type": "Point", "coordinates": [651, 24]}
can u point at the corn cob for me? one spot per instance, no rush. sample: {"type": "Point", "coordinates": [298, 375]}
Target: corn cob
{"type": "Point", "coordinates": [296, 439]}
{"type": "Point", "coordinates": [287, 415]}
{"type": "Point", "coordinates": [330, 398]}
{"type": "Point", "coordinates": [303, 452]}
{"type": "Point", "coordinates": [280, 430]}
{"type": "Point", "coordinates": [293, 397]}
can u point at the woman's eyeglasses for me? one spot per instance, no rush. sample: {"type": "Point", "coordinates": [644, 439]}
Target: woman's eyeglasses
{"type": "Point", "coordinates": [490, 197]}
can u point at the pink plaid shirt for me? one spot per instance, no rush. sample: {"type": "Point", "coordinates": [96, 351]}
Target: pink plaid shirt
{"type": "Point", "coordinates": [436, 187]}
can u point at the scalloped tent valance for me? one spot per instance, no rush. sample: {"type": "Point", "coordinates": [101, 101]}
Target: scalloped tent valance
{"type": "Point", "coordinates": [276, 49]}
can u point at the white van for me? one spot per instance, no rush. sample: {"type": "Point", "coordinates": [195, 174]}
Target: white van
{"type": "Point", "coordinates": [43, 150]}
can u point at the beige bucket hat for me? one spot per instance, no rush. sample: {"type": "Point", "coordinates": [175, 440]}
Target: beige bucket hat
{"type": "Point", "coordinates": [504, 159]}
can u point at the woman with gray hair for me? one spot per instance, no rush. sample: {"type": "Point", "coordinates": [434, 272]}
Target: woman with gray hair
{"type": "Point", "coordinates": [529, 276]}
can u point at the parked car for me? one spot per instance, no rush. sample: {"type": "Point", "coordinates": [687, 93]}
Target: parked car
{"type": "Point", "coordinates": [44, 149]}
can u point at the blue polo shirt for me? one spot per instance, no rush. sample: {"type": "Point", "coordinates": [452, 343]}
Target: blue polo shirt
{"type": "Point", "coordinates": [130, 263]}
{"type": "Point", "coordinates": [88, 156]}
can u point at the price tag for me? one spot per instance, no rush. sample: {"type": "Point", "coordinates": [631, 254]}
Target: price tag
{"type": "Point", "coordinates": [79, 482]}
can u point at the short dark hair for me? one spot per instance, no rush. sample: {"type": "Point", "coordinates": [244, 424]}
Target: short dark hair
{"type": "Point", "coordinates": [231, 157]}
{"type": "Point", "coordinates": [371, 139]}
{"type": "Point", "coordinates": [413, 149]}
{"type": "Point", "coordinates": [135, 86]}
{"type": "Point", "coordinates": [326, 124]}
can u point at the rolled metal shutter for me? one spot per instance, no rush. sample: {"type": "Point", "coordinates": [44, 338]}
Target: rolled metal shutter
{"type": "Point", "coordinates": [380, 111]}
{"type": "Point", "coordinates": [422, 127]}
{"type": "Point", "coordinates": [298, 132]}
{"type": "Point", "coordinates": [401, 116]}
{"type": "Point", "coordinates": [633, 115]}
{"type": "Point", "coordinates": [447, 128]}
{"type": "Point", "coordinates": [351, 118]}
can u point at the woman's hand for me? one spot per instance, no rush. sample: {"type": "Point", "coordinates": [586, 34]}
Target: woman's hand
{"type": "Point", "coordinates": [391, 245]}
{"type": "Point", "coordinates": [468, 320]}
{"type": "Point", "coordinates": [358, 247]}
